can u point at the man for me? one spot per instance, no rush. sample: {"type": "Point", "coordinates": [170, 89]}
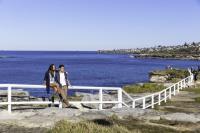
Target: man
{"type": "Point", "coordinates": [62, 80]}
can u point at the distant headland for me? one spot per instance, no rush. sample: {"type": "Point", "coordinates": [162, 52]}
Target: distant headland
{"type": "Point", "coordinates": [184, 51]}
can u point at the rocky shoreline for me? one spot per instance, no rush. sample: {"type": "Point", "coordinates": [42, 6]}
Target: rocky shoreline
{"type": "Point", "coordinates": [170, 57]}
{"type": "Point", "coordinates": [187, 51]}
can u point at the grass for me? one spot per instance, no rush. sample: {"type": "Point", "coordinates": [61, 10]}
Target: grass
{"type": "Point", "coordinates": [197, 99]}
{"type": "Point", "coordinates": [86, 127]}
{"type": "Point", "coordinates": [111, 125]}
{"type": "Point", "coordinates": [195, 90]}
{"type": "Point", "coordinates": [145, 88]}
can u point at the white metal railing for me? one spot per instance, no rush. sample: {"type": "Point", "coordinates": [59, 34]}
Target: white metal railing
{"type": "Point", "coordinates": [142, 102]}
{"type": "Point", "coordinates": [156, 98]}
{"type": "Point", "coordinates": [100, 101]}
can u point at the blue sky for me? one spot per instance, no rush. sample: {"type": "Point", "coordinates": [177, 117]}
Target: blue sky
{"type": "Point", "coordinates": [97, 24]}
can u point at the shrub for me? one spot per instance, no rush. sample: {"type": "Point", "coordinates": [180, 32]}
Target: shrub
{"type": "Point", "coordinates": [145, 88]}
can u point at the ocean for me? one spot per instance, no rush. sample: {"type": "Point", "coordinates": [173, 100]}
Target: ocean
{"type": "Point", "coordinates": [84, 68]}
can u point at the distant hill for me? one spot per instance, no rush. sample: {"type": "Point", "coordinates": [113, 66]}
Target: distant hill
{"type": "Point", "coordinates": [185, 51]}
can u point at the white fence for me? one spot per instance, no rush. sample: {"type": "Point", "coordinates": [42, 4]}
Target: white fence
{"type": "Point", "coordinates": [143, 102]}
{"type": "Point", "coordinates": [156, 98]}
{"type": "Point", "coordinates": [100, 101]}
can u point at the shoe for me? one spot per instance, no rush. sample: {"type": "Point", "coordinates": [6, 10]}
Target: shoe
{"type": "Point", "coordinates": [68, 106]}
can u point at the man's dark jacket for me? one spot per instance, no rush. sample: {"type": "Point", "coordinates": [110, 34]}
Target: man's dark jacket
{"type": "Point", "coordinates": [58, 78]}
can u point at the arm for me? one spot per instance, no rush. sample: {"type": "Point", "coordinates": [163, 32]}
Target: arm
{"type": "Point", "coordinates": [45, 78]}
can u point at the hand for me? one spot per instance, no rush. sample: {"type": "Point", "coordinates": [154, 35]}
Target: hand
{"type": "Point", "coordinates": [69, 83]}
{"type": "Point", "coordinates": [44, 83]}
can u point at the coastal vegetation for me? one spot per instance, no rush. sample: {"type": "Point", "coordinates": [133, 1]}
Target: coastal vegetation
{"type": "Point", "coordinates": [144, 88]}
{"type": "Point", "coordinates": [157, 79]}
{"type": "Point", "coordinates": [184, 51]}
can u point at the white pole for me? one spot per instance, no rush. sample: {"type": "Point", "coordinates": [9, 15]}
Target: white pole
{"type": "Point", "coordinates": [9, 99]}
{"type": "Point", "coordinates": [144, 100]}
{"type": "Point", "coordinates": [152, 100]}
{"type": "Point", "coordinates": [133, 104]}
{"type": "Point", "coordinates": [192, 77]}
{"type": "Point", "coordinates": [100, 99]}
{"type": "Point", "coordinates": [60, 104]}
{"type": "Point", "coordinates": [165, 96]}
{"type": "Point", "coordinates": [170, 93]}
{"type": "Point", "coordinates": [119, 98]}
{"type": "Point", "coordinates": [159, 96]}
{"type": "Point", "coordinates": [181, 84]}
{"type": "Point", "coordinates": [178, 89]}
{"type": "Point", "coordinates": [174, 89]}
{"type": "Point", "coordinates": [184, 84]}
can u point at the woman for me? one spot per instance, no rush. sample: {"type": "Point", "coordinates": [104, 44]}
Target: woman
{"type": "Point", "coordinates": [50, 79]}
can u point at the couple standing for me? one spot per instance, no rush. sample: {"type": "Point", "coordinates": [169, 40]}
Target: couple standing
{"type": "Point", "coordinates": [58, 81]}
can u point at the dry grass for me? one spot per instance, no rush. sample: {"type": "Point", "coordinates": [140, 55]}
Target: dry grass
{"type": "Point", "coordinates": [86, 127]}
{"type": "Point", "coordinates": [111, 125]}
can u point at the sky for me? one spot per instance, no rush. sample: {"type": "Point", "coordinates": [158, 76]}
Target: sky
{"type": "Point", "coordinates": [87, 25]}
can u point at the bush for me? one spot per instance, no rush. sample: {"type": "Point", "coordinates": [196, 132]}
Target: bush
{"type": "Point", "coordinates": [145, 88]}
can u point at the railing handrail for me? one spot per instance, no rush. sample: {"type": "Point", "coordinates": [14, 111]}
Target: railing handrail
{"type": "Point", "coordinates": [27, 86]}
{"type": "Point", "coordinates": [119, 90]}
{"type": "Point", "coordinates": [158, 93]}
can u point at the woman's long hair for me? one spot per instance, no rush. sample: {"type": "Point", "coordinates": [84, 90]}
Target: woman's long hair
{"type": "Point", "coordinates": [51, 71]}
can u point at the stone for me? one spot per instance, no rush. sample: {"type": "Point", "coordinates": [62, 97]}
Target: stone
{"type": "Point", "coordinates": [158, 78]}
{"type": "Point", "coordinates": [95, 97]}
{"type": "Point", "coordinates": [183, 117]}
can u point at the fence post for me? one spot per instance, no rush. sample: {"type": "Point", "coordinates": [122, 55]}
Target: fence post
{"type": "Point", "coordinates": [170, 92]}
{"type": "Point", "coordinates": [9, 99]}
{"type": "Point", "coordinates": [143, 105]}
{"type": "Point", "coordinates": [190, 80]}
{"type": "Point", "coordinates": [165, 96]}
{"type": "Point", "coordinates": [100, 99]}
{"type": "Point", "coordinates": [159, 96]}
{"type": "Point", "coordinates": [181, 83]}
{"type": "Point", "coordinates": [60, 104]}
{"type": "Point", "coordinates": [184, 83]}
{"type": "Point", "coordinates": [192, 77]}
{"type": "Point", "coordinates": [152, 101]}
{"type": "Point", "coordinates": [120, 98]}
{"type": "Point", "coordinates": [133, 104]}
{"type": "Point", "coordinates": [174, 89]}
{"type": "Point", "coordinates": [178, 87]}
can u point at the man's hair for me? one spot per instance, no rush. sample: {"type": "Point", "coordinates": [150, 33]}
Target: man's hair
{"type": "Point", "coordinates": [61, 66]}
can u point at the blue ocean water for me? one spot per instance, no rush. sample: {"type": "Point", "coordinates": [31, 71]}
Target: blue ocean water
{"type": "Point", "coordinates": [85, 68]}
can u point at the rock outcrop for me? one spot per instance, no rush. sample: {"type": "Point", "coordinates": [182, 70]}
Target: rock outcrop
{"type": "Point", "coordinates": [158, 78]}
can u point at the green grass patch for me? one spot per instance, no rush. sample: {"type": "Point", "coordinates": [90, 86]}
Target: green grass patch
{"type": "Point", "coordinates": [144, 88]}
{"type": "Point", "coordinates": [197, 99]}
{"type": "Point", "coordinates": [86, 127]}
{"type": "Point", "coordinates": [195, 90]}
{"type": "Point", "coordinates": [110, 125]}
